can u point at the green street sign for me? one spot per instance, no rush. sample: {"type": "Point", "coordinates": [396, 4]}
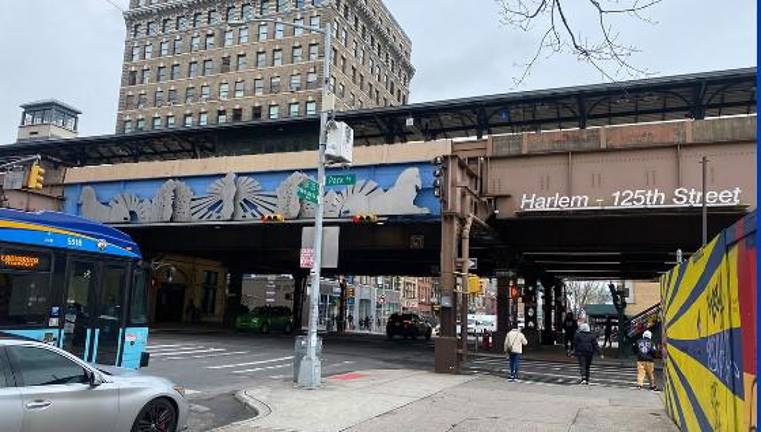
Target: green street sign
{"type": "Point", "coordinates": [307, 195]}
{"type": "Point", "coordinates": [341, 180]}
{"type": "Point", "coordinates": [309, 185]}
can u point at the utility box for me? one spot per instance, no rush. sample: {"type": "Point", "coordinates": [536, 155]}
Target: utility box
{"type": "Point", "coordinates": [446, 355]}
{"type": "Point", "coordinates": [340, 143]}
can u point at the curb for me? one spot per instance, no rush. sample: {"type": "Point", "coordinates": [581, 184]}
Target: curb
{"type": "Point", "coordinates": [260, 409]}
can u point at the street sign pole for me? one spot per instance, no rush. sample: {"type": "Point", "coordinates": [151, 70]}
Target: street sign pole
{"type": "Point", "coordinates": [310, 372]}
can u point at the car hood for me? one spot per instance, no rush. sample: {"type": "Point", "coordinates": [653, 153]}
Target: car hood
{"type": "Point", "coordinates": [119, 374]}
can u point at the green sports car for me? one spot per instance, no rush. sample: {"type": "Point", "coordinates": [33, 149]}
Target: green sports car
{"type": "Point", "coordinates": [266, 319]}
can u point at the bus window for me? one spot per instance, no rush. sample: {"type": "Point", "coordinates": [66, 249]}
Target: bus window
{"type": "Point", "coordinates": [25, 291]}
{"type": "Point", "coordinates": [139, 300]}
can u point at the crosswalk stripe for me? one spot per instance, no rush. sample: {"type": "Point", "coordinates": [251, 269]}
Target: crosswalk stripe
{"type": "Point", "coordinates": [229, 366]}
{"type": "Point", "coordinates": [163, 346]}
{"type": "Point", "coordinates": [221, 354]}
{"type": "Point", "coordinates": [179, 348]}
{"type": "Point", "coordinates": [197, 351]}
{"type": "Point", "coordinates": [262, 368]}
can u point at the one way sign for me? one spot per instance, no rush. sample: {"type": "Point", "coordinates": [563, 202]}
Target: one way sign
{"type": "Point", "coordinates": [472, 263]}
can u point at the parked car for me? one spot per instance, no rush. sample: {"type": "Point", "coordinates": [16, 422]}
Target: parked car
{"type": "Point", "coordinates": [266, 319]}
{"type": "Point", "coordinates": [45, 389]}
{"type": "Point", "coordinates": [408, 326]}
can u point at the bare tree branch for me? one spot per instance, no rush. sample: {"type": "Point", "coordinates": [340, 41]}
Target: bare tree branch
{"type": "Point", "coordinates": [582, 293]}
{"type": "Point", "coordinates": [604, 51]}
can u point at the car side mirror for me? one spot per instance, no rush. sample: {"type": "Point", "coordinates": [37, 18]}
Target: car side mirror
{"type": "Point", "coordinates": [93, 379]}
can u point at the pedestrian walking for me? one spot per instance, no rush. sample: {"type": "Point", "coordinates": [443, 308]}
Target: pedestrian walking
{"type": "Point", "coordinates": [514, 343]}
{"type": "Point", "coordinates": [351, 321]}
{"type": "Point", "coordinates": [646, 352]}
{"type": "Point", "coordinates": [569, 328]}
{"type": "Point", "coordinates": [608, 333]}
{"type": "Point", "coordinates": [585, 346]}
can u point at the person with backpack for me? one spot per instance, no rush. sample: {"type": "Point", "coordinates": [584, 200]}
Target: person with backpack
{"type": "Point", "coordinates": [646, 352]}
{"type": "Point", "coordinates": [514, 343]}
{"type": "Point", "coordinates": [585, 347]}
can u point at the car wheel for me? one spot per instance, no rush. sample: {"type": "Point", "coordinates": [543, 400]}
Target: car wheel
{"type": "Point", "coordinates": [288, 328]}
{"type": "Point", "coordinates": [265, 328]}
{"type": "Point", "coordinates": [157, 415]}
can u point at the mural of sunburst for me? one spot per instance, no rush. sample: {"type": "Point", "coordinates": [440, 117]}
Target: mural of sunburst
{"type": "Point", "coordinates": [250, 200]}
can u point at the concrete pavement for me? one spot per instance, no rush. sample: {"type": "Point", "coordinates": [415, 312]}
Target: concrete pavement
{"type": "Point", "coordinates": [390, 400]}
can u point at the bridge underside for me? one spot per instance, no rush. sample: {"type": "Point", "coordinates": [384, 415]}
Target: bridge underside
{"type": "Point", "coordinates": [635, 245]}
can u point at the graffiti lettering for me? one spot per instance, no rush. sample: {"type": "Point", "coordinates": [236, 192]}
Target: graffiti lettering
{"type": "Point", "coordinates": [715, 301]}
{"type": "Point", "coordinates": [719, 357]}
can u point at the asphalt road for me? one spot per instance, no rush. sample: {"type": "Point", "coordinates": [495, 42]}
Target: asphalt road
{"type": "Point", "coordinates": [212, 367]}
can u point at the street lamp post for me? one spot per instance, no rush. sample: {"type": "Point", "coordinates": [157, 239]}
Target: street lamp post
{"type": "Point", "coordinates": [310, 371]}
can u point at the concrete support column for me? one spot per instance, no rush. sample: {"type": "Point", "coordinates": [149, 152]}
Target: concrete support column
{"type": "Point", "coordinates": [446, 343]}
{"type": "Point", "coordinates": [503, 311]}
{"type": "Point", "coordinates": [232, 297]}
{"type": "Point", "coordinates": [548, 335]}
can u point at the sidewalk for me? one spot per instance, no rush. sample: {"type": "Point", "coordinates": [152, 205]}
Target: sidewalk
{"type": "Point", "coordinates": [393, 400]}
{"type": "Point", "coordinates": [558, 354]}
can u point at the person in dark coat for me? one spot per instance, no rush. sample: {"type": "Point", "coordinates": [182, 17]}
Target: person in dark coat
{"type": "Point", "coordinates": [608, 333]}
{"type": "Point", "coordinates": [569, 328]}
{"type": "Point", "coordinates": [585, 346]}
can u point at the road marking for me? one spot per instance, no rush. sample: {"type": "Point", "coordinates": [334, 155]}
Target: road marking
{"type": "Point", "coordinates": [179, 348]}
{"type": "Point", "coordinates": [228, 366]}
{"type": "Point", "coordinates": [223, 354]}
{"type": "Point", "coordinates": [262, 368]}
{"type": "Point", "coordinates": [198, 351]}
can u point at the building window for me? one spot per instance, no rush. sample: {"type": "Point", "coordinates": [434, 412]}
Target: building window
{"type": "Point", "coordinates": [188, 120]}
{"type": "Point", "coordinates": [228, 38]}
{"type": "Point", "coordinates": [241, 62]}
{"type": "Point", "coordinates": [203, 119]}
{"type": "Point", "coordinates": [246, 12]}
{"type": "Point", "coordinates": [136, 30]}
{"type": "Point", "coordinates": [197, 19]}
{"type": "Point", "coordinates": [136, 51]}
{"type": "Point", "coordinates": [163, 49]}
{"type": "Point", "coordinates": [127, 126]}
{"type": "Point", "coordinates": [343, 65]}
{"type": "Point", "coordinates": [161, 73]}
{"type": "Point", "coordinates": [314, 21]}
{"type": "Point", "coordinates": [277, 57]}
{"type": "Point", "coordinates": [148, 52]}
{"type": "Point", "coordinates": [312, 80]}
{"type": "Point", "coordinates": [145, 76]}
{"type": "Point", "coordinates": [195, 43]}
{"type": "Point", "coordinates": [297, 54]}
{"type": "Point", "coordinates": [166, 25]}
{"type": "Point", "coordinates": [140, 124]}
{"type": "Point", "coordinates": [156, 123]}
{"type": "Point", "coordinates": [264, 7]}
{"type": "Point", "coordinates": [240, 89]}
{"type": "Point", "coordinates": [230, 13]}
{"type": "Point", "coordinates": [175, 72]}
{"type": "Point", "coordinates": [275, 84]}
{"type": "Point", "coordinates": [274, 112]}
{"type": "Point", "coordinates": [352, 100]}
{"type": "Point", "coordinates": [170, 121]}
{"type": "Point", "coordinates": [208, 67]}
{"type": "Point", "coordinates": [132, 78]}
{"type": "Point", "coordinates": [353, 75]}
{"type": "Point", "coordinates": [224, 91]}
{"type": "Point", "coordinates": [344, 37]}
{"type": "Point", "coordinates": [192, 69]}
{"type": "Point", "coordinates": [221, 116]}
{"type": "Point", "coordinates": [298, 31]}
{"type": "Point", "coordinates": [225, 65]}
{"type": "Point", "coordinates": [311, 108]}
{"type": "Point", "coordinates": [141, 100]}
{"type": "Point", "coordinates": [361, 56]}
{"type": "Point", "coordinates": [213, 17]}
{"type": "Point", "coordinates": [295, 82]}
{"type": "Point", "coordinates": [279, 30]}
{"type": "Point", "coordinates": [282, 5]}
{"type": "Point", "coordinates": [205, 92]}
{"type": "Point", "coordinates": [300, 4]}
{"type": "Point", "coordinates": [182, 23]}
{"type": "Point", "coordinates": [258, 87]}
{"type": "Point", "coordinates": [263, 32]}
{"type": "Point", "coordinates": [151, 28]}
{"type": "Point", "coordinates": [261, 59]}
{"type": "Point", "coordinates": [190, 95]}
{"type": "Point", "coordinates": [129, 103]}
{"type": "Point", "coordinates": [243, 35]}
{"type": "Point", "coordinates": [256, 112]}
{"type": "Point", "coordinates": [209, 41]}
{"type": "Point", "coordinates": [341, 90]}
{"type": "Point", "coordinates": [171, 96]}
{"type": "Point", "coordinates": [158, 98]}
{"type": "Point", "coordinates": [293, 109]}
{"type": "Point", "coordinates": [237, 114]}
{"type": "Point", "coordinates": [314, 51]}
{"type": "Point", "coordinates": [177, 46]}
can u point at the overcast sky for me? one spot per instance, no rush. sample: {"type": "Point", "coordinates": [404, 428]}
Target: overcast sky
{"type": "Point", "coordinates": [72, 50]}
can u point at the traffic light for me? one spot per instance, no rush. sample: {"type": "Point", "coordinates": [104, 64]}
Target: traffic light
{"type": "Point", "coordinates": [438, 177]}
{"type": "Point", "coordinates": [273, 218]}
{"type": "Point", "coordinates": [364, 218]}
{"type": "Point", "coordinates": [349, 292]}
{"type": "Point", "coordinates": [36, 176]}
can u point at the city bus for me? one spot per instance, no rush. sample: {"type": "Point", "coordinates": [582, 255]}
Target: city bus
{"type": "Point", "coordinates": [75, 284]}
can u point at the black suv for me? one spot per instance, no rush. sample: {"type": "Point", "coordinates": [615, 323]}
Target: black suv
{"type": "Point", "coordinates": [408, 326]}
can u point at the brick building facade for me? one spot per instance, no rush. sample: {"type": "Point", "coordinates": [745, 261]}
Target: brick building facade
{"type": "Point", "coordinates": [198, 62]}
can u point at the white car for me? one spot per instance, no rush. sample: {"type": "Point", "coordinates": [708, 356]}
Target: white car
{"type": "Point", "coordinates": [46, 389]}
